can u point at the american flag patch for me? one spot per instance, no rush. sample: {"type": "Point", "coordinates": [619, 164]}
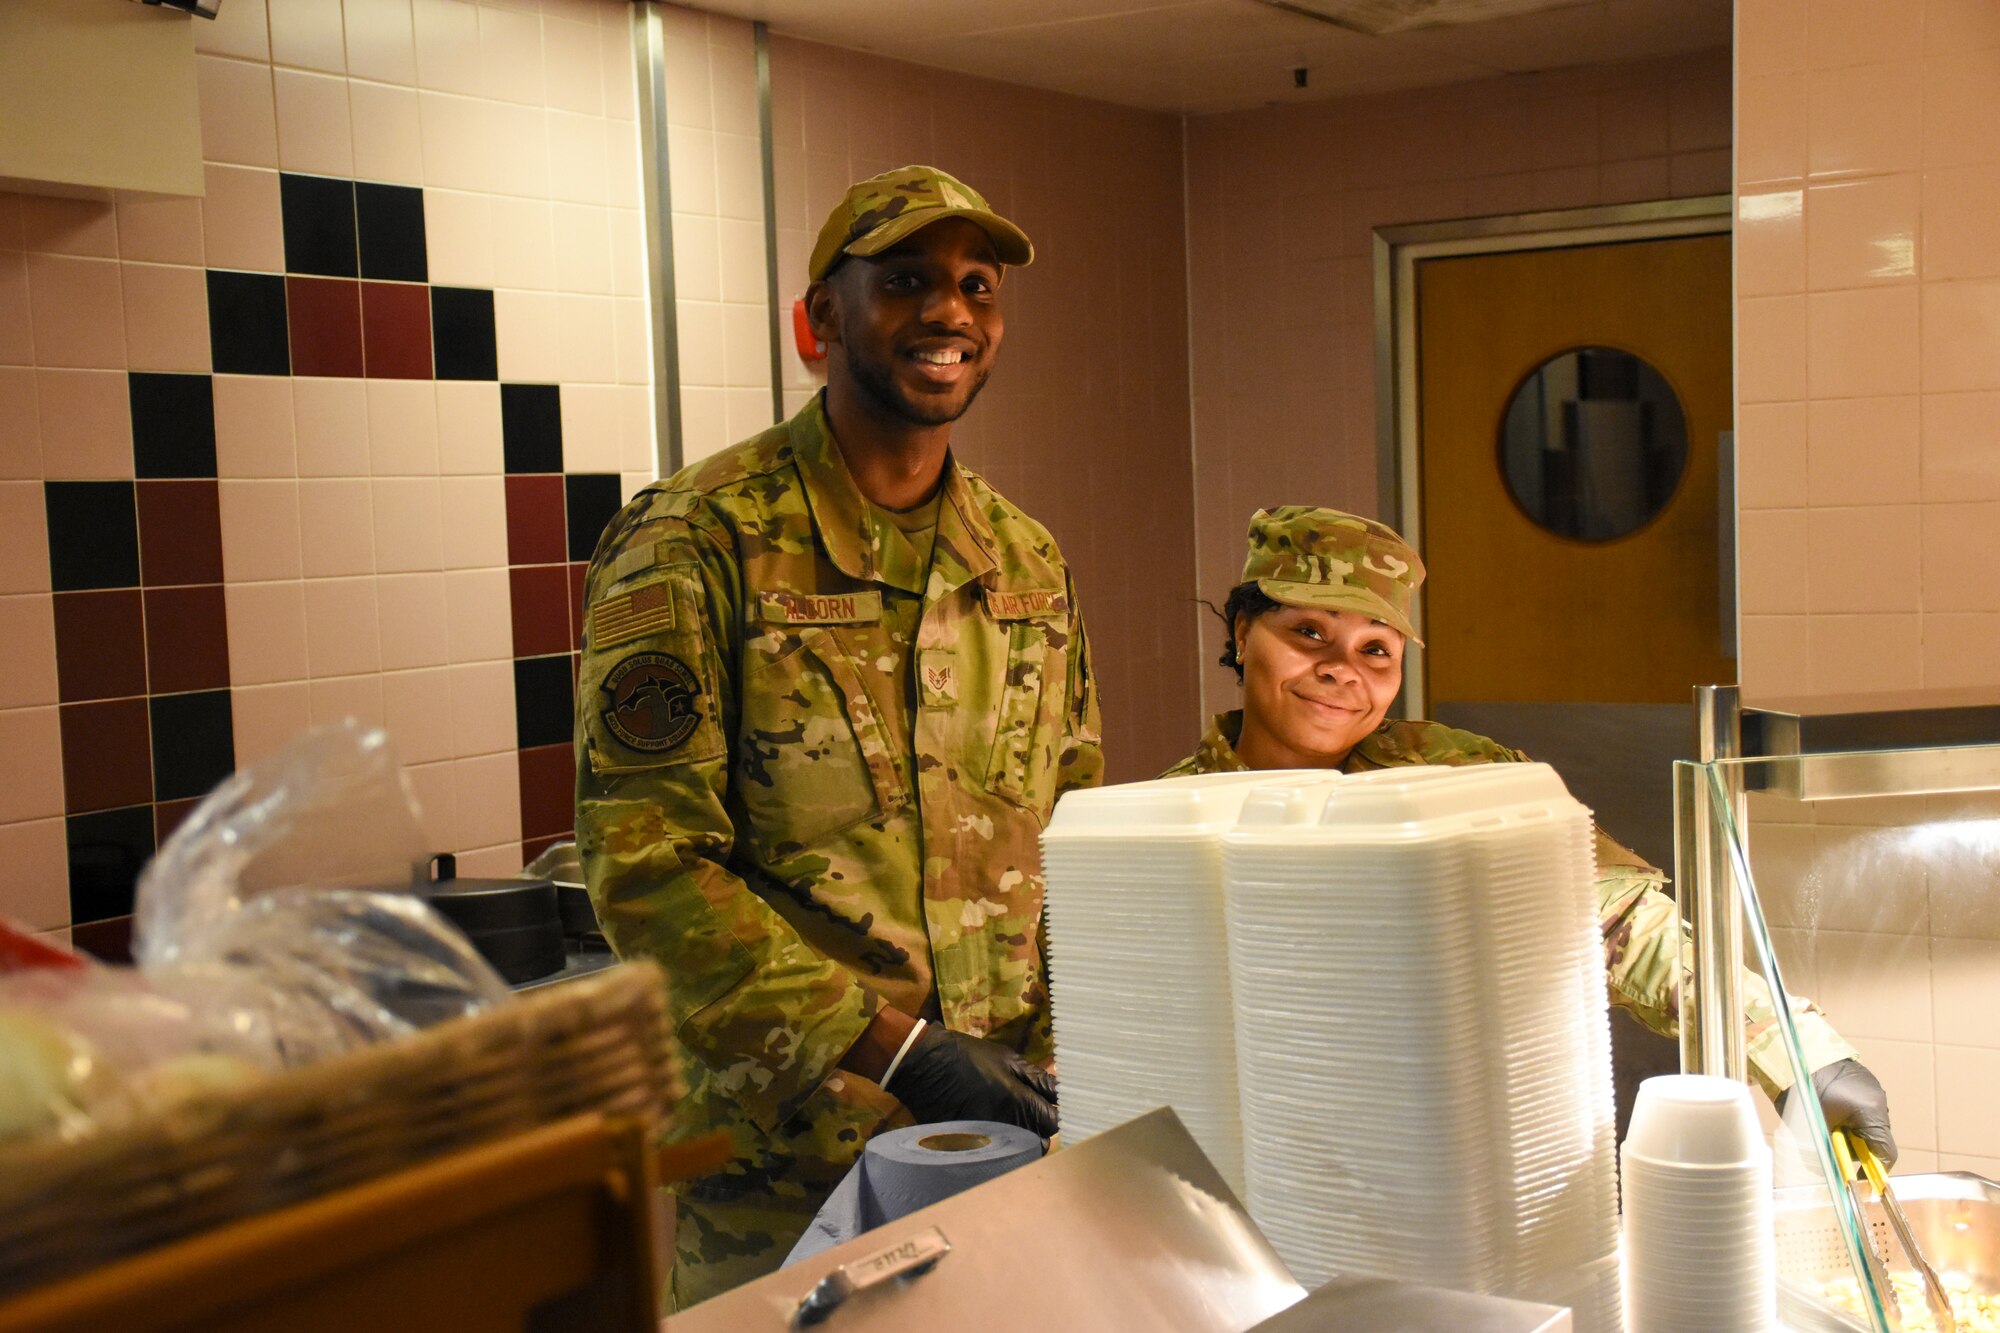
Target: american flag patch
{"type": "Point", "coordinates": [622, 617]}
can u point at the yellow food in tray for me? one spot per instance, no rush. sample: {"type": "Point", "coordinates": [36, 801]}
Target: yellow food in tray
{"type": "Point", "coordinates": [1975, 1312]}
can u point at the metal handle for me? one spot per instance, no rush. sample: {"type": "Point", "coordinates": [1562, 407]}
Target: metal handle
{"type": "Point", "coordinates": [1706, 892]}
{"type": "Point", "coordinates": [1871, 1166]}
{"type": "Point", "coordinates": [905, 1261]}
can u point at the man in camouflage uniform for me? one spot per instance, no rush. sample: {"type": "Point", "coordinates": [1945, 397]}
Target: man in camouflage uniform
{"type": "Point", "coordinates": [832, 684]}
{"type": "Point", "coordinates": [1316, 629]}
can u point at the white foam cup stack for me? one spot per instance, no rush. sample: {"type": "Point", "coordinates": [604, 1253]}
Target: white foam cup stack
{"type": "Point", "coordinates": [1696, 1177]}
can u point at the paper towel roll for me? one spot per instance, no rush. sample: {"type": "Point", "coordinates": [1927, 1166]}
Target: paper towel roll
{"type": "Point", "coordinates": [912, 1168]}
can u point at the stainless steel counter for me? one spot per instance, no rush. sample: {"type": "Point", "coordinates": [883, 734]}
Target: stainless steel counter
{"type": "Point", "coordinates": [1130, 1230]}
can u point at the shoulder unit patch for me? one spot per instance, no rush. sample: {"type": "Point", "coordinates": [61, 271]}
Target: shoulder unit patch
{"type": "Point", "coordinates": [651, 702]}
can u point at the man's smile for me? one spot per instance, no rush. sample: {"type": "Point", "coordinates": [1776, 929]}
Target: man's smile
{"type": "Point", "coordinates": [941, 365]}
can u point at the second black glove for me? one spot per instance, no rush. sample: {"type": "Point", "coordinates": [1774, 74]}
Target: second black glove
{"type": "Point", "coordinates": [952, 1076]}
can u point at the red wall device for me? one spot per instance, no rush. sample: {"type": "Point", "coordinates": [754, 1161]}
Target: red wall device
{"type": "Point", "coordinates": [810, 348]}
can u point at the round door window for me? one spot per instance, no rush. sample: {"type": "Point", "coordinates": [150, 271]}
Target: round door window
{"type": "Point", "coordinates": [1593, 444]}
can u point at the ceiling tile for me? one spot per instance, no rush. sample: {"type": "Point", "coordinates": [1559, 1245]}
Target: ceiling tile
{"type": "Point", "coordinates": [1210, 55]}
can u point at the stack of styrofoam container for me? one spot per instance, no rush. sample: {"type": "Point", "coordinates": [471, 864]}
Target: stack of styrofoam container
{"type": "Point", "coordinates": [1422, 1041]}
{"type": "Point", "coordinates": [1698, 1243]}
{"type": "Point", "coordinates": [1138, 967]}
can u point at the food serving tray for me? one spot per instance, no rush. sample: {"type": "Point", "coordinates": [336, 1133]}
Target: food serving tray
{"type": "Point", "coordinates": [1956, 1218]}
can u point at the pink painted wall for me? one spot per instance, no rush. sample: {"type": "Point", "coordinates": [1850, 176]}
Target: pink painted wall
{"type": "Point", "coordinates": [1868, 344]}
{"type": "Point", "coordinates": [1282, 208]}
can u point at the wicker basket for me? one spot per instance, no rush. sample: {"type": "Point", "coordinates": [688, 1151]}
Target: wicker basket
{"type": "Point", "coordinates": [597, 1044]}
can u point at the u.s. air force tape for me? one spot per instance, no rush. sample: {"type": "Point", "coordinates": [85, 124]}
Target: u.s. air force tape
{"type": "Point", "coordinates": [651, 702]}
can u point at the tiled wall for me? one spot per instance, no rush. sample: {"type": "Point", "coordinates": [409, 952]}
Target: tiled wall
{"type": "Point", "coordinates": [1282, 208]}
{"type": "Point", "coordinates": [331, 440]}
{"type": "Point", "coordinates": [1085, 422]}
{"type": "Point", "coordinates": [1868, 344]}
{"type": "Point", "coordinates": [1884, 912]}
{"type": "Point", "coordinates": [716, 179]}
{"type": "Point", "coordinates": [1868, 378]}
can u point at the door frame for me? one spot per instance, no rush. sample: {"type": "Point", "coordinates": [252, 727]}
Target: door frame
{"type": "Point", "coordinates": [1398, 249]}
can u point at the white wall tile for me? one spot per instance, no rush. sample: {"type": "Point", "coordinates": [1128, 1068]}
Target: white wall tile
{"type": "Point", "coordinates": [469, 439]}
{"type": "Point", "coordinates": [1968, 1090]}
{"type": "Point", "coordinates": [1965, 989]}
{"type": "Point", "coordinates": [1912, 1073]}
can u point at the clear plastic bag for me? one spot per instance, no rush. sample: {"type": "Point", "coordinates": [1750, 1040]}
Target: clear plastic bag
{"type": "Point", "coordinates": [276, 927]}
{"type": "Point", "coordinates": [300, 869]}
{"type": "Point", "coordinates": [83, 1048]}
{"type": "Point", "coordinates": [330, 809]}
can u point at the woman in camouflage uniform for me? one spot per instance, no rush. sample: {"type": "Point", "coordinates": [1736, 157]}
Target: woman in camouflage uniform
{"type": "Point", "coordinates": [1316, 631]}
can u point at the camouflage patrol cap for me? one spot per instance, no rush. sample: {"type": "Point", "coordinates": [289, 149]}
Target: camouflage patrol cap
{"type": "Point", "coordinates": [1303, 556]}
{"type": "Point", "coordinates": [878, 212]}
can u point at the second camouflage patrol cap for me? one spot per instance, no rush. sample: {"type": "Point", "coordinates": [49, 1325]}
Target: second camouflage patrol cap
{"type": "Point", "coordinates": [1304, 556]}
{"type": "Point", "coordinates": [878, 212]}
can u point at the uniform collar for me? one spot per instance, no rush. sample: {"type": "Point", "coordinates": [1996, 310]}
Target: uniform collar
{"type": "Point", "coordinates": [861, 541]}
{"type": "Point", "coordinates": [1217, 751]}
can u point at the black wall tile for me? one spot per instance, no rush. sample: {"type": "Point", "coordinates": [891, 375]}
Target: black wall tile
{"type": "Point", "coordinates": [544, 704]}
{"type": "Point", "coordinates": [531, 427]}
{"type": "Point", "coordinates": [106, 852]}
{"type": "Point", "coordinates": [173, 425]}
{"type": "Point", "coordinates": [463, 343]}
{"type": "Point", "coordinates": [392, 232]}
{"type": "Point", "coordinates": [590, 500]}
{"type": "Point", "coordinates": [93, 534]}
{"type": "Point", "coordinates": [246, 323]}
{"type": "Point", "coordinates": [194, 743]}
{"type": "Point", "coordinates": [319, 225]}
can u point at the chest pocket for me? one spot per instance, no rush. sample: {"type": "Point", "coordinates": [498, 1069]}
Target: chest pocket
{"type": "Point", "coordinates": [813, 755]}
{"type": "Point", "coordinates": [1027, 729]}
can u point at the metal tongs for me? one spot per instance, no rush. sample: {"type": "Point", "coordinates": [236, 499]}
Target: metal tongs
{"type": "Point", "coordinates": [1850, 1149]}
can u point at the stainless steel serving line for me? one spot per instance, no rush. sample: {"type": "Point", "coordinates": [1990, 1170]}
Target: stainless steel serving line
{"type": "Point", "coordinates": [1780, 763]}
{"type": "Point", "coordinates": [1835, 748]}
{"type": "Point", "coordinates": [1132, 1229]}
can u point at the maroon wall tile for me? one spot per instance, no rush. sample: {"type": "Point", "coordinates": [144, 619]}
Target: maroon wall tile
{"type": "Point", "coordinates": [100, 645]}
{"type": "Point", "coordinates": [396, 330]}
{"type": "Point", "coordinates": [536, 521]}
{"type": "Point", "coordinates": [548, 790]}
{"type": "Point", "coordinates": [108, 941]}
{"type": "Point", "coordinates": [325, 319]}
{"type": "Point", "coordinates": [107, 755]}
{"type": "Point", "coordinates": [576, 605]}
{"type": "Point", "coordinates": [187, 639]}
{"type": "Point", "coordinates": [180, 533]}
{"type": "Point", "coordinates": [540, 595]}
{"type": "Point", "coordinates": [168, 816]}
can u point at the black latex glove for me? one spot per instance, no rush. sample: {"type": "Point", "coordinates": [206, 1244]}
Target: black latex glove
{"type": "Point", "coordinates": [1852, 1099]}
{"type": "Point", "coordinates": [951, 1076]}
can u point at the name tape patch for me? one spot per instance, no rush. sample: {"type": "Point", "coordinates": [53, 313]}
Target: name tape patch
{"type": "Point", "coordinates": [622, 617]}
{"type": "Point", "coordinates": [833, 608]}
{"type": "Point", "coordinates": [1028, 604]}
